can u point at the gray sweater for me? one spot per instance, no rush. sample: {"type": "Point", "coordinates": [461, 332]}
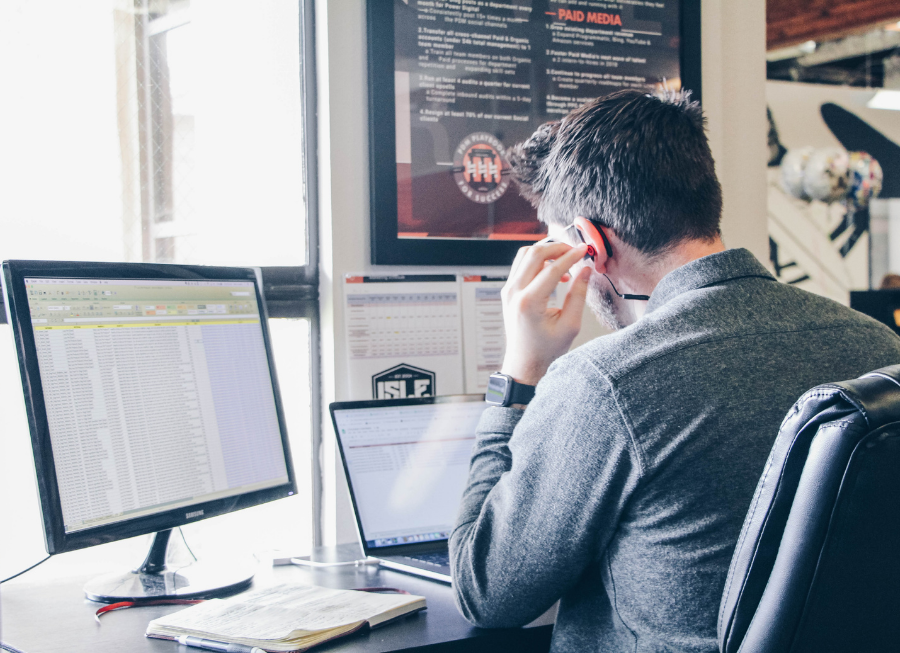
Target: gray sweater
{"type": "Point", "coordinates": [622, 489]}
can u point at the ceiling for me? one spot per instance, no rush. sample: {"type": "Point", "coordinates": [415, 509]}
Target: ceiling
{"type": "Point", "coordinates": [789, 22]}
{"type": "Point", "coordinates": [832, 41]}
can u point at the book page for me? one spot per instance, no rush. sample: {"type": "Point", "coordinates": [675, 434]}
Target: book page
{"type": "Point", "coordinates": [277, 612]}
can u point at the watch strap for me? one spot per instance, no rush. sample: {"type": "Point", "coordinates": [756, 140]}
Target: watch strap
{"type": "Point", "coordinates": [503, 391]}
{"type": "Point", "coordinates": [519, 393]}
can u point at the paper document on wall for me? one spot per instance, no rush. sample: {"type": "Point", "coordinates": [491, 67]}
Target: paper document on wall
{"type": "Point", "coordinates": [404, 336]}
{"type": "Point", "coordinates": [483, 334]}
{"type": "Point", "coordinates": [484, 337]}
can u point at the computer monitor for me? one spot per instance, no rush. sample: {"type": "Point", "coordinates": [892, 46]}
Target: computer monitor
{"type": "Point", "coordinates": [152, 402]}
{"type": "Point", "coordinates": [883, 305]}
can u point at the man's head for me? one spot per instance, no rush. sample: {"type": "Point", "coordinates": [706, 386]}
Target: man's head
{"type": "Point", "coordinates": [638, 164]}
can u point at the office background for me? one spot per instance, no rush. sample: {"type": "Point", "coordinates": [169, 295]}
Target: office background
{"type": "Point", "coordinates": [734, 78]}
{"type": "Point", "coordinates": [71, 189]}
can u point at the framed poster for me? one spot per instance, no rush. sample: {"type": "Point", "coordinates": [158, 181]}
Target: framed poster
{"type": "Point", "coordinates": [454, 83]}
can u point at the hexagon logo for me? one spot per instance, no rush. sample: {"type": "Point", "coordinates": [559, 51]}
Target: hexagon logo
{"type": "Point", "coordinates": [403, 381]}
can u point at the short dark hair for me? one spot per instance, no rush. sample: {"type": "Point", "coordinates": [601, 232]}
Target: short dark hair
{"type": "Point", "coordinates": [639, 164]}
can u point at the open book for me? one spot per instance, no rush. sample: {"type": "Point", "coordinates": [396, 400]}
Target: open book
{"type": "Point", "coordinates": [285, 617]}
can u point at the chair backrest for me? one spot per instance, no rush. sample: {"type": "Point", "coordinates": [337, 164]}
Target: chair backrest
{"type": "Point", "coordinates": [817, 564]}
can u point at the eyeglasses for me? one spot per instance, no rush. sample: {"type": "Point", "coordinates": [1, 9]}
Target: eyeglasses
{"type": "Point", "coordinates": [575, 237]}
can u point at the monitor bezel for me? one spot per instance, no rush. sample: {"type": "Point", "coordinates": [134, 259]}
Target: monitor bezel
{"type": "Point", "coordinates": [396, 549]}
{"type": "Point", "coordinates": [879, 304]}
{"type": "Point", "coordinates": [56, 539]}
{"type": "Point", "coordinates": [386, 246]}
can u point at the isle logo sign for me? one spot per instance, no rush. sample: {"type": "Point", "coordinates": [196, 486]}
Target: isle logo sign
{"type": "Point", "coordinates": [403, 381]}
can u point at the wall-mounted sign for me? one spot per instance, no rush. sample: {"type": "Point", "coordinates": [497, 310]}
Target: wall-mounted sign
{"type": "Point", "coordinates": [454, 83]}
{"type": "Point", "coordinates": [402, 381]}
{"type": "Point", "coordinates": [403, 336]}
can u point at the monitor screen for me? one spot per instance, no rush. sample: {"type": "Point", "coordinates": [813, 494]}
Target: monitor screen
{"type": "Point", "coordinates": [157, 397]}
{"type": "Point", "coordinates": [407, 466]}
{"type": "Point", "coordinates": [149, 387]}
{"type": "Point", "coordinates": [883, 305]}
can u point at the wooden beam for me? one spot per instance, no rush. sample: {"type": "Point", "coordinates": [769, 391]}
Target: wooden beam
{"type": "Point", "coordinates": [789, 22]}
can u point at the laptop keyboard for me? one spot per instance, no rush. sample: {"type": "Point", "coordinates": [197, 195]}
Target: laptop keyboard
{"type": "Point", "coordinates": [439, 559]}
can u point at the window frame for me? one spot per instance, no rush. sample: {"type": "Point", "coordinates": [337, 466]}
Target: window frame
{"type": "Point", "coordinates": [292, 292]}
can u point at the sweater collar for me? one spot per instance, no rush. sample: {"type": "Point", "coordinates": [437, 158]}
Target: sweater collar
{"type": "Point", "coordinates": [711, 270]}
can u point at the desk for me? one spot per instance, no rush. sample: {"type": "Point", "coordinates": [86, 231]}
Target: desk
{"type": "Point", "coordinates": [54, 617]}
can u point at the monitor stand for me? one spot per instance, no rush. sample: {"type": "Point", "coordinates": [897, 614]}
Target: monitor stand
{"type": "Point", "coordinates": [155, 581]}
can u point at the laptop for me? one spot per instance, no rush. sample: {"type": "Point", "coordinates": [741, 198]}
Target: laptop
{"type": "Point", "coordinates": [407, 463]}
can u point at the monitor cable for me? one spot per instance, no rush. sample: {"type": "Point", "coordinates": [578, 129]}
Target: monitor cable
{"type": "Point", "coordinates": [186, 545]}
{"type": "Point", "coordinates": [305, 561]}
{"type": "Point", "coordinates": [16, 575]}
{"type": "Point", "coordinates": [40, 562]}
{"type": "Point", "coordinates": [9, 648]}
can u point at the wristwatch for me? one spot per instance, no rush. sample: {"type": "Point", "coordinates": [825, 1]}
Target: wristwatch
{"type": "Point", "coordinates": [502, 390]}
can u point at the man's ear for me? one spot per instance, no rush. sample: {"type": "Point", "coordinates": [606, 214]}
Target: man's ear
{"type": "Point", "coordinates": [599, 248]}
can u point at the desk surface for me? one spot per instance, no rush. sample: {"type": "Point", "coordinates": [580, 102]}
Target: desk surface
{"type": "Point", "coordinates": [54, 617]}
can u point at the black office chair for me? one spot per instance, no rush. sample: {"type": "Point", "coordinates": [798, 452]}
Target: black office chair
{"type": "Point", "coordinates": [817, 565]}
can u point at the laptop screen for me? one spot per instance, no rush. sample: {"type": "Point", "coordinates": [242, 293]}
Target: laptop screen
{"type": "Point", "coordinates": [407, 466]}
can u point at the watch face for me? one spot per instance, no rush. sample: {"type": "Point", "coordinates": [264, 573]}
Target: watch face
{"type": "Point", "coordinates": [497, 387]}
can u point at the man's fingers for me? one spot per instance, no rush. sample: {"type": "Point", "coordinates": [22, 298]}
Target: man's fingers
{"type": "Point", "coordinates": [565, 277]}
{"type": "Point", "coordinates": [545, 283]}
{"type": "Point", "coordinates": [515, 264]}
{"type": "Point", "coordinates": [573, 307]}
{"type": "Point", "coordinates": [532, 263]}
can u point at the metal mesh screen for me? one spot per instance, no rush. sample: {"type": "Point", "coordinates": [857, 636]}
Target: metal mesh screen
{"type": "Point", "coordinates": [156, 127]}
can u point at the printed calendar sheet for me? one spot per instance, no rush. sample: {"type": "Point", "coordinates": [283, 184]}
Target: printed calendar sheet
{"type": "Point", "coordinates": [404, 336]}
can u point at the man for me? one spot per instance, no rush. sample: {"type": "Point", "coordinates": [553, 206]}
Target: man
{"type": "Point", "coordinates": [622, 488]}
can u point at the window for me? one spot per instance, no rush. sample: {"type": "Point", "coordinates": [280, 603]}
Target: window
{"type": "Point", "coordinates": [170, 131]}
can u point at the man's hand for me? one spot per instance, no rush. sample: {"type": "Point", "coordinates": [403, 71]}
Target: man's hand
{"type": "Point", "coordinates": [536, 335]}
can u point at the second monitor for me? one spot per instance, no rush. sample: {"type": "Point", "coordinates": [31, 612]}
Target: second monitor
{"type": "Point", "coordinates": [152, 402]}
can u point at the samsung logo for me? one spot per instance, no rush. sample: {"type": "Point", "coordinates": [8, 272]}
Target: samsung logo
{"type": "Point", "coordinates": [196, 513]}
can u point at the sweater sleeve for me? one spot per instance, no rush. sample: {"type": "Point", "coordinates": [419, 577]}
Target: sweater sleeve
{"type": "Point", "coordinates": [545, 491]}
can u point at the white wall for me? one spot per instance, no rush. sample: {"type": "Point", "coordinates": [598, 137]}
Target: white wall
{"type": "Point", "coordinates": [796, 107]}
{"type": "Point", "coordinates": [733, 98]}
{"type": "Point", "coordinates": [802, 229]}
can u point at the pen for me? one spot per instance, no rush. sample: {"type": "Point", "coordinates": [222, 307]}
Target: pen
{"type": "Point", "coordinates": [211, 645]}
